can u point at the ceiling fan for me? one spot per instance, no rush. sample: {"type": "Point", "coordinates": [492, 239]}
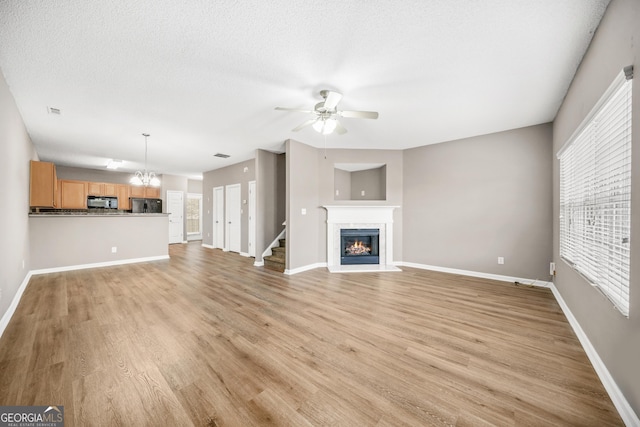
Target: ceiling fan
{"type": "Point", "coordinates": [326, 113]}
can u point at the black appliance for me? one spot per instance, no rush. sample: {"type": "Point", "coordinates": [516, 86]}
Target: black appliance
{"type": "Point", "coordinates": [100, 202]}
{"type": "Point", "coordinates": [139, 205]}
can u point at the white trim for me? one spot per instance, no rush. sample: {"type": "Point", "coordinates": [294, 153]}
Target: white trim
{"type": "Point", "coordinates": [258, 263]}
{"type": "Point", "coordinates": [627, 414]}
{"type": "Point", "coordinates": [204, 245]}
{"type": "Point", "coordinates": [99, 264]}
{"type": "Point", "coordinates": [6, 317]}
{"type": "Point", "coordinates": [501, 278]}
{"type": "Point", "coordinates": [362, 268]}
{"type": "Point", "coordinates": [185, 241]}
{"type": "Point", "coordinates": [244, 254]}
{"type": "Point", "coordinates": [305, 268]}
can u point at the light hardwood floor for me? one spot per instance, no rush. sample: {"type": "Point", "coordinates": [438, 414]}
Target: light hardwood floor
{"type": "Point", "coordinates": [205, 338]}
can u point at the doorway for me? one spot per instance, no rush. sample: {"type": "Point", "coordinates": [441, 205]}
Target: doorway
{"type": "Point", "coordinates": [252, 218]}
{"type": "Point", "coordinates": [218, 217]}
{"type": "Point", "coordinates": [232, 217]}
{"type": "Point", "coordinates": [175, 209]}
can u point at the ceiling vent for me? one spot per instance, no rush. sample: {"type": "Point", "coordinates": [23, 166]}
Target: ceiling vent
{"type": "Point", "coordinates": [53, 110]}
{"type": "Point", "coordinates": [222, 156]}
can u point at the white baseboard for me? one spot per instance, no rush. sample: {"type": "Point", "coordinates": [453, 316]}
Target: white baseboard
{"type": "Point", "coordinates": [244, 254]}
{"type": "Point", "coordinates": [627, 414]}
{"type": "Point", "coordinates": [204, 245]}
{"type": "Point", "coordinates": [6, 317]}
{"type": "Point", "coordinates": [305, 268]}
{"type": "Point", "coordinates": [99, 264]}
{"type": "Point", "coordinates": [530, 282]}
{"type": "Point", "coordinates": [258, 264]}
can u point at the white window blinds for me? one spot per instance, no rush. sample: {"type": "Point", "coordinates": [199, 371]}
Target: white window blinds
{"type": "Point", "coordinates": [595, 194]}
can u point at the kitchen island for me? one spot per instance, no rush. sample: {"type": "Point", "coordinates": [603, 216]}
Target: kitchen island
{"type": "Point", "coordinates": [71, 240]}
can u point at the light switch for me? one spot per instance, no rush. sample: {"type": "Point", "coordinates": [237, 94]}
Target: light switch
{"type": "Point", "coordinates": [303, 211]}
{"type": "Point", "coordinates": [362, 193]}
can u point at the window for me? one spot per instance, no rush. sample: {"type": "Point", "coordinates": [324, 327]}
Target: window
{"type": "Point", "coordinates": [194, 214]}
{"type": "Point", "coordinates": [595, 194]}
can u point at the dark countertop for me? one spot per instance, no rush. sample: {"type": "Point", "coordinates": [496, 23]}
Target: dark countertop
{"type": "Point", "coordinates": [98, 214]}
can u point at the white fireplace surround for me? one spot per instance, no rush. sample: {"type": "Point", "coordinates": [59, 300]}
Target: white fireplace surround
{"type": "Point", "coordinates": [380, 217]}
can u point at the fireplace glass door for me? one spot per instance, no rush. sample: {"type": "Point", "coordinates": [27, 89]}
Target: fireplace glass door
{"type": "Point", "coordinates": [359, 246]}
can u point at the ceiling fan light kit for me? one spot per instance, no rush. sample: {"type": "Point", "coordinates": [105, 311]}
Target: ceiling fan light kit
{"type": "Point", "coordinates": [325, 121]}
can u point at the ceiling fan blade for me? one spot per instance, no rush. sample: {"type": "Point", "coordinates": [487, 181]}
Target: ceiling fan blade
{"type": "Point", "coordinates": [332, 100]}
{"type": "Point", "coordinates": [340, 130]}
{"type": "Point", "coordinates": [294, 109]}
{"type": "Point", "coordinates": [359, 114]}
{"type": "Point", "coordinates": [305, 124]}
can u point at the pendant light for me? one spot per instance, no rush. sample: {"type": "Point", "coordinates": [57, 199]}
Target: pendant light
{"type": "Point", "coordinates": [145, 178]}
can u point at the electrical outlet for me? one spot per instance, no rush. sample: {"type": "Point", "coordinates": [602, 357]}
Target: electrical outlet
{"type": "Point", "coordinates": [337, 192]}
{"type": "Point", "coordinates": [114, 249]}
{"type": "Point", "coordinates": [500, 260]}
{"type": "Point", "coordinates": [362, 193]}
{"type": "Point", "coordinates": [552, 268]}
{"type": "Point", "coordinates": [303, 211]}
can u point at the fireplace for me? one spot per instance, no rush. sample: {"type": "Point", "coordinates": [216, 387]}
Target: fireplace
{"type": "Point", "coordinates": [359, 246]}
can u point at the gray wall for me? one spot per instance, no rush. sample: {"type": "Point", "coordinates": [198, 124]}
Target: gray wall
{"type": "Point", "coordinates": [233, 174]}
{"type": "Point", "coordinates": [194, 186]}
{"type": "Point", "coordinates": [393, 159]}
{"type": "Point", "coordinates": [270, 197]}
{"type": "Point", "coordinates": [371, 181]}
{"type": "Point", "coordinates": [615, 45]}
{"type": "Point", "coordinates": [302, 186]}
{"type": "Point", "coordinates": [342, 184]}
{"type": "Point", "coordinates": [16, 150]}
{"type": "Point", "coordinates": [470, 201]}
{"type": "Point", "coordinates": [62, 241]}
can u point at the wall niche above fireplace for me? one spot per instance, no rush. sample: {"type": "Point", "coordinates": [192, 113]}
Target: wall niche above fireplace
{"type": "Point", "coordinates": [360, 181]}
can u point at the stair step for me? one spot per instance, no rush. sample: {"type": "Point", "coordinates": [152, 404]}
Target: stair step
{"type": "Point", "coordinates": [274, 263]}
{"type": "Point", "coordinates": [283, 243]}
{"type": "Point", "coordinates": [279, 252]}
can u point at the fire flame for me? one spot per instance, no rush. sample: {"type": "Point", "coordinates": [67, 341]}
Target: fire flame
{"type": "Point", "coordinates": [358, 248]}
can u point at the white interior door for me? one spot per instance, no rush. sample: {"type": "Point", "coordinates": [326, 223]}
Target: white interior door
{"type": "Point", "coordinates": [232, 217]}
{"type": "Point", "coordinates": [175, 209]}
{"type": "Point", "coordinates": [218, 217]}
{"type": "Point", "coordinates": [252, 218]}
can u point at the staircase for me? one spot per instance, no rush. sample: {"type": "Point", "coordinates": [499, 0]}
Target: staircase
{"type": "Point", "coordinates": [277, 260]}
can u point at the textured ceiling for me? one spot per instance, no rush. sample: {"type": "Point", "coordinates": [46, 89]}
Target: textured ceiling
{"type": "Point", "coordinates": [203, 77]}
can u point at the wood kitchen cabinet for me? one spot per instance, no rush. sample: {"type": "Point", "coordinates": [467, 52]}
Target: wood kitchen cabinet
{"type": "Point", "coordinates": [43, 185]}
{"type": "Point", "coordinates": [148, 192]}
{"type": "Point", "coordinates": [123, 192]}
{"type": "Point", "coordinates": [152, 192]}
{"type": "Point", "coordinates": [137, 191]}
{"type": "Point", "coordinates": [110, 190]}
{"type": "Point", "coordinates": [95, 188]}
{"type": "Point", "coordinates": [73, 194]}
{"type": "Point", "coordinates": [101, 189]}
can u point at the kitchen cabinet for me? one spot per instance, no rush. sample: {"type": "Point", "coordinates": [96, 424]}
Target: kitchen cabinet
{"type": "Point", "coordinates": [137, 191]}
{"type": "Point", "coordinates": [148, 192]}
{"type": "Point", "coordinates": [95, 188]}
{"type": "Point", "coordinates": [73, 194]}
{"type": "Point", "coordinates": [152, 192]}
{"type": "Point", "coordinates": [123, 192]}
{"type": "Point", "coordinates": [110, 190]}
{"type": "Point", "coordinates": [101, 189]}
{"type": "Point", "coordinates": [42, 185]}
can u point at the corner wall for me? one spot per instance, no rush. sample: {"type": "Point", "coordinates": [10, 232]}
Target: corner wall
{"type": "Point", "coordinates": [233, 174]}
{"type": "Point", "coordinates": [470, 201]}
{"type": "Point", "coordinates": [16, 150]}
{"type": "Point", "coordinates": [615, 338]}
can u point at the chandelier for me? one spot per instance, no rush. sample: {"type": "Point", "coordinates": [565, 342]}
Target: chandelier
{"type": "Point", "coordinates": [145, 178]}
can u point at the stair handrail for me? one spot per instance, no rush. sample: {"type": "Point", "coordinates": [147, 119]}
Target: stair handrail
{"type": "Point", "coordinates": [268, 251]}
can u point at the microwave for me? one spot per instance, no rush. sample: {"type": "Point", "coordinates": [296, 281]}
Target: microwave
{"type": "Point", "coordinates": [100, 202]}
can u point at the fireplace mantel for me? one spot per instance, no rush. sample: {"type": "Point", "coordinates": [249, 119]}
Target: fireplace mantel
{"type": "Point", "coordinates": [348, 216]}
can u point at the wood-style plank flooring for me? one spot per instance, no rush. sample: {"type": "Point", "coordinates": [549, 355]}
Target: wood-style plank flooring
{"type": "Point", "coordinates": [207, 339]}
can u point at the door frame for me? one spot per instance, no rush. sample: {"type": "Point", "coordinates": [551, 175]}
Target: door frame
{"type": "Point", "coordinates": [181, 193]}
{"type": "Point", "coordinates": [227, 207]}
{"type": "Point", "coordinates": [251, 238]}
{"type": "Point", "coordinates": [220, 199]}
